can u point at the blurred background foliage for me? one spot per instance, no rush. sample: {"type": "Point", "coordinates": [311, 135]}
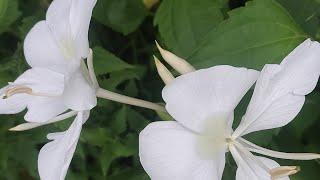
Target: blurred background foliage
{"type": "Point", "coordinates": [122, 34]}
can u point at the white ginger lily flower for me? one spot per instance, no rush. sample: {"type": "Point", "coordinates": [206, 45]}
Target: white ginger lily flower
{"type": "Point", "coordinates": [60, 43]}
{"type": "Point", "coordinates": [58, 81]}
{"type": "Point", "coordinates": [202, 102]}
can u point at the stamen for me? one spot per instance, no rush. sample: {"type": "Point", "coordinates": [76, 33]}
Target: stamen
{"type": "Point", "coordinates": [283, 171]}
{"type": "Point", "coordinates": [91, 69]}
{"type": "Point", "coordinates": [17, 90]}
{"type": "Point", "coordinates": [27, 126]}
{"type": "Point", "coordinates": [292, 156]}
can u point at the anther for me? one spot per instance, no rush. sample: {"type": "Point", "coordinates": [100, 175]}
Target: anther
{"type": "Point", "coordinates": [17, 90]}
{"type": "Point", "coordinates": [283, 171]}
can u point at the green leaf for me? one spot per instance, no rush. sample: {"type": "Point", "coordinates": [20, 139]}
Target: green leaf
{"type": "Point", "coordinates": [183, 24]}
{"type": "Point", "coordinates": [132, 174]}
{"type": "Point", "coordinates": [308, 116]}
{"type": "Point", "coordinates": [123, 16]}
{"type": "Point", "coordinates": [306, 13]}
{"type": "Point", "coordinates": [106, 62]}
{"type": "Point", "coordinates": [8, 13]}
{"type": "Point", "coordinates": [136, 120]}
{"type": "Point", "coordinates": [27, 24]}
{"type": "Point", "coordinates": [262, 32]}
{"type": "Point", "coordinates": [118, 77]}
{"type": "Point", "coordinates": [118, 124]}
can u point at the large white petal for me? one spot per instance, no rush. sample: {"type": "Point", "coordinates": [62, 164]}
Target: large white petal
{"type": "Point", "coordinates": [279, 93]}
{"type": "Point", "coordinates": [14, 104]}
{"type": "Point", "coordinates": [55, 157]}
{"type": "Point", "coordinates": [169, 151]}
{"type": "Point", "coordinates": [42, 50]}
{"type": "Point", "coordinates": [42, 109]}
{"type": "Point", "coordinates": [206, 95]}
{"type": "Point", "coordinates": [42, 81]}
{"type": "Point", "coordinates": [79, 93]}
{"type": "Point", "coordinates": [69, 21]}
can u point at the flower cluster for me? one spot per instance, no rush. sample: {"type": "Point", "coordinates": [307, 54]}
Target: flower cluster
{"type": "Point", "coordinates": [61, 84]}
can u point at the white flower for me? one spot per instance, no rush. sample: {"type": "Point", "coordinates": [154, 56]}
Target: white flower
{"type": "Point", "coordinates": [58, 81]}
{"type": "Point", "coordinates": [202, 102]}
{"type": "Point", "coordinates": [60, 43]}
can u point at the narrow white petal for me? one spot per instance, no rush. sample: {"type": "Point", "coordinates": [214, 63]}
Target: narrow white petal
{"type": "Point", "coordinates": [252, 167]}
{"type": "Point", "coordinates": [79, 93]}
{"type": "Point", "coordinates": [169, 151]}
{"type": "Point", "coordinates": [55, 157]}
{"type": "Point", "coordinates": [294, 156]}
{"type": "Point", "coordinates": [196, 98]}
{"type": "Point", "coordinates": [91, 71]}
{"type": "Point", "coordinates": [279, 93]}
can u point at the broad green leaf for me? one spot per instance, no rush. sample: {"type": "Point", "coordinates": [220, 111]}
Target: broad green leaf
{"type": "Point", "coordinates": [118, 123]}
{"type": "Point", "coordinates": [129, 174]}
{"type": "Point", "coordinates": [106, 62]}
{"type": "Point", "coordinates": [259, 33]}
{"type": "Point", "coordinates": [9, 12]}
{"type": "Point", "coordinates": [136, 120]}
{"type": "Point", "coordinates": [306, 13]}
{"type": "Point", "coordinates": [123, 16]}
{"type": "Point", "coordinates": [118, 77]}
{"type": "Point", "coordinates": [27, 24]}
{"type": "Point", "coordinates": [183, 24]}
{"type": "Point", "coordinates": [308, 116]}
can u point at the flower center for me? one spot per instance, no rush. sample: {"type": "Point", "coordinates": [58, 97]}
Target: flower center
{"type": "Point", "coordinates": [68, 49]}
{"type": "Point", "coordinates": [213, 139]}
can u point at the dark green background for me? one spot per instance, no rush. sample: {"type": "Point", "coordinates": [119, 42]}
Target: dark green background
{"type": "Point", "coordinates": [122, 34]}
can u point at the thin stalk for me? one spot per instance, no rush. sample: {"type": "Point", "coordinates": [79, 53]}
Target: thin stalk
{"type": "Point", "coordinates": [105, 94]}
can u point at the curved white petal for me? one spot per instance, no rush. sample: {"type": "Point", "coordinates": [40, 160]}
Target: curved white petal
{"type": "Point", "coordinates": [42, 109]}
{"type": "Point", "coordinates": [169, 151]}
{"type": "Point", "coordinates": [14, 104]}
{"type": "Point", "coordinates": [210, 94]}
{"type": "Point", "coordinates": [41, 49]}
{"type": "Point", "coordinates": [42, 81]}
{"type": "Point", "coordinates": [69, 21]}
{"type": "Point", "coordinates": [279, 93]}
{"type": "Point", "coordinates": [80, 15]}
{"type": "Point", "coordinates": [55, 157]}
{"type": "Point", "coordinates": [79, 94]}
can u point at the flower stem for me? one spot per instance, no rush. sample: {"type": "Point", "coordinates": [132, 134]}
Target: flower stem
{"type": "Point", "coordinates": [105, 94]}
